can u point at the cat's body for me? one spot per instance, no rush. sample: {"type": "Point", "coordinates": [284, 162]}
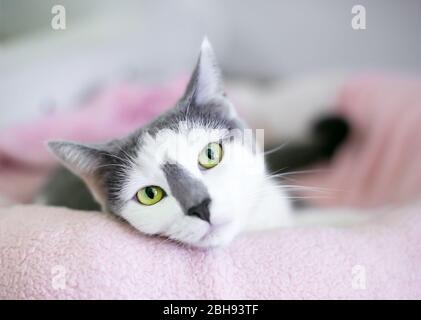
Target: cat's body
{"type": "Point", "coordinates": [193, 175]}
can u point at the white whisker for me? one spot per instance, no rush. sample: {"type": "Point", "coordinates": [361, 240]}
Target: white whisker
{"type": "Point", "coordinates": [273, 150]}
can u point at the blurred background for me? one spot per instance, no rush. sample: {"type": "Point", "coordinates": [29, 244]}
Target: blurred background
{"type": "Point", "coordinates": [42, 69]}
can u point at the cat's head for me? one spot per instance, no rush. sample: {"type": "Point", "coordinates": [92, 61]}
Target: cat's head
{"type": "Point", "coordinates": [191, 175]}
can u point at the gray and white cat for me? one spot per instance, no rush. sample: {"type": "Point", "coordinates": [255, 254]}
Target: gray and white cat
{"type": "Point", "coordinates": [189, 175]}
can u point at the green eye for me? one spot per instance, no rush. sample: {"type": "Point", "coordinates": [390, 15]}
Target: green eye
{"type": "Point", "coordinates": [150, 195]}
{"type": "Point", "coordinates": [211, 155]}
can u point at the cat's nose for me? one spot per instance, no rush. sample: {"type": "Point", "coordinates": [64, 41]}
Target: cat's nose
{"type": "Point", "coordinates": [201, 210]}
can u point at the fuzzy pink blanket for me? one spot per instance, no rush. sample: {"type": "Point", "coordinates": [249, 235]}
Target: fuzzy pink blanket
{"type": "Point", "coordinates": [53, 253]}
{"type": "Point", "coordinates": [50, 253]}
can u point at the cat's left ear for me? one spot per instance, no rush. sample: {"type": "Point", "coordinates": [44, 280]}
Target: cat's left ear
{"type": "Point", "coordinates": [206, 81]}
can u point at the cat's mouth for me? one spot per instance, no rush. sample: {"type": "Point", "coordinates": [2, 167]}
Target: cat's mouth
{"type": "Point", "coordinates": [211, 231]}
{"type": "Point", "coordinates": [216, 235]}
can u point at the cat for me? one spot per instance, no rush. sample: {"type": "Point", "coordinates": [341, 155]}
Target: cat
{"type": "Point", "coordinates": [190, 175]}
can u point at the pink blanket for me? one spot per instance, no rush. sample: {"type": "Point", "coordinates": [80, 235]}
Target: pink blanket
{"type": "Point", "coordinates": [49, 253]}
{"type": "Point", "coordinates": [60, 253]}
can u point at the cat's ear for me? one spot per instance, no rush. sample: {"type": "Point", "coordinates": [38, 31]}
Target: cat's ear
{"type": "Point", "coordinates": [82, 159]}
{"type": "Point", "coordinates": [206, 81]}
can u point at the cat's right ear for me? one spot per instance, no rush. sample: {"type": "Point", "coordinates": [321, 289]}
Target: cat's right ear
{"type": "Point", "coordinates": [81, 159]}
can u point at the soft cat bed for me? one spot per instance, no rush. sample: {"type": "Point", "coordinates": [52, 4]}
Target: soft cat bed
{"type": "Point", "coordinates": [48, 252]}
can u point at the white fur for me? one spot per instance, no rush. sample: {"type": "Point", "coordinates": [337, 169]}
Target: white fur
{"type": "Point", "coordinates": [243, 198]}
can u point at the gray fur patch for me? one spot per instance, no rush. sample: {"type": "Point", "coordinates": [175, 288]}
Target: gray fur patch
{"type": "Point", "coordinates": [213, 115]}
{"type": "Point", "coordinates": [188, 191]}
